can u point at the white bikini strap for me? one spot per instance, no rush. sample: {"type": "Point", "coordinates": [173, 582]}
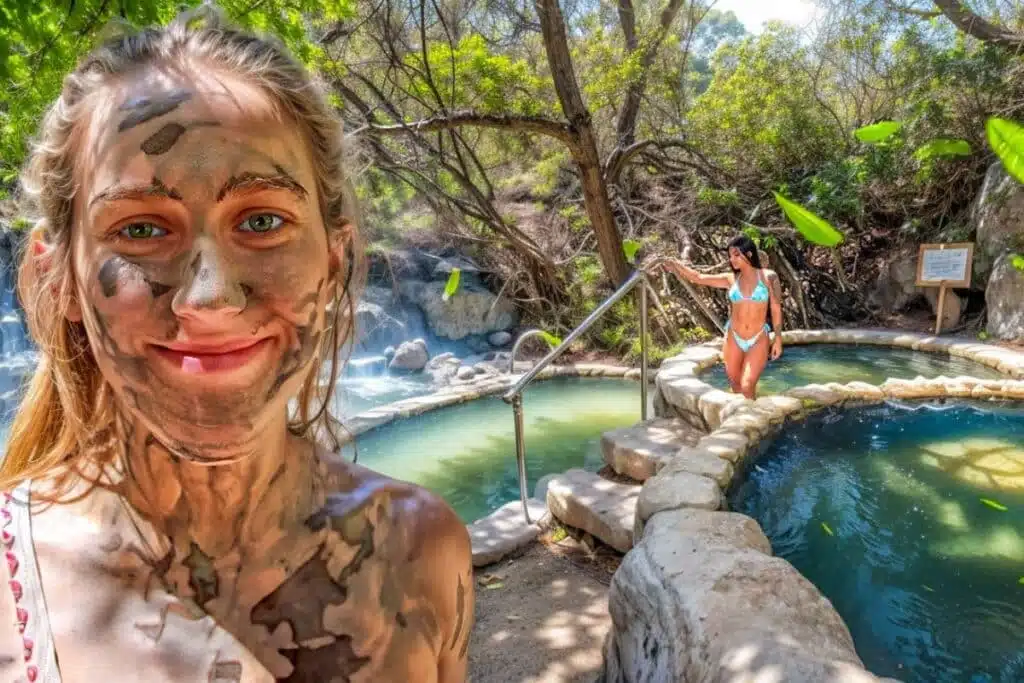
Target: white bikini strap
{"type": "Point", "coordinates": [33, 617]}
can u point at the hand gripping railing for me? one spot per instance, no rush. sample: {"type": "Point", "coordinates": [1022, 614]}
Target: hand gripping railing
{"type": "Point", "coordinates": [514, 396]}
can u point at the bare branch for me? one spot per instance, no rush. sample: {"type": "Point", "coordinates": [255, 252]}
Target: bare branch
{"type": "Point", "coordinates": [527, 124]}
{"type": "Point", "coordinates": [982, 29]}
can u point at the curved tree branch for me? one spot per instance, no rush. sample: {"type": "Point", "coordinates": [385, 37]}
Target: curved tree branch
{"type": "Point", "coordinates": [528, 124]}
{"type": "Point", "coordinates": [982, 29]}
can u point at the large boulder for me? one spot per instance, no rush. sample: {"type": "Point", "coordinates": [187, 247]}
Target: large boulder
{"type": "Point", "coordinates": [472, 310]}
{"type": "Point", "coordinates": [410, 356]}
{"type": "Point", "coordinates": [998, 218]}
{"type": "Point", "coordinates": [700, 599]}
{"type": "Point", "coordinates": [1004, 299]}
{"type": "Point", "coordinates": [895, 289]}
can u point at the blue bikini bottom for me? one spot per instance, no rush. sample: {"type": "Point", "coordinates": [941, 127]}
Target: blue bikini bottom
{"type": "Point", "coordinates": [747, 344]}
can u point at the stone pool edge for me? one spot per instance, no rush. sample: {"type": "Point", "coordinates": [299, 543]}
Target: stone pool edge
{"type": "Point", "coordinates": [680, 392]}
{"type": "Point", "coordinates": [503, 531]}
{"type": "Point", "coordinates": [700, 596]}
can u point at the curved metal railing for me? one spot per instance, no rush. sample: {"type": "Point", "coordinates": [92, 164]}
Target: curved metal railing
{"type": "Point", "coordinates": [514, 396]}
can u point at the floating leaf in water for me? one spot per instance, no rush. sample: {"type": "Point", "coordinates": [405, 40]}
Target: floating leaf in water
{"type": "Point", "coordinates": [452, 285]}
{"type": "Point", "coordinates": [815, 229]}
{"type": "Point", "coordinates": [827, 528]}
{"type": "Point", "coordinates": [1007, 141]}
{"type": "Point", "coordinates": [877, 132]}
{"type": "Point", "coordinates": [551, 339]}
{"type": "Point", "coordinates": [630, 248]}
{"type": "Point", "coordinates": [995, 505]}
{"type": "Point", "coordinates": [943, 147]}
{"type": "Point", "coordinates": [928, 588]}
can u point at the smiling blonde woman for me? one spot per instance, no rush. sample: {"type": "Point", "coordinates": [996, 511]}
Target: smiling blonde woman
{"type": "Point", "coordinates": [192, 271]}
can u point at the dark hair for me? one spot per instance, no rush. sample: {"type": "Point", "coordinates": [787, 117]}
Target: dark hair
{"type": "Point", "coordinates": [747, 248]}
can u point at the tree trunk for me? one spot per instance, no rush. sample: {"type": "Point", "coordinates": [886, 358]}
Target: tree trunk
{"type": "Point", "coordinates": [585, 154]}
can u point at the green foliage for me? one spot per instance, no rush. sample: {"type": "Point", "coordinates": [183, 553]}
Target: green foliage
{"type": "Point", "coordinates": [878, 132]}
{"type": "Point", "coordinates": [724, 199]}
{"type": "Point", "coordinates": [40, 42]}
{"type": "Point", "coordinates": [630, 248]}
{"type": "Point", "coordinates": [813, 228]}
{"type": "Point", "coordinates": [452, 285]}
{"type": "Point", "coordinates": [942, 147]}
{"type": "Point", "coordinates": [550, 339]}
{"type": "Point", "coordinates": [1007, 141]}
{"type": "Point", "coordinates": [1018, 262]}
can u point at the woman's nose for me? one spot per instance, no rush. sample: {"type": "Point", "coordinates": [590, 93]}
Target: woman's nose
{"type": "Point", "coordinates": [208, 287]}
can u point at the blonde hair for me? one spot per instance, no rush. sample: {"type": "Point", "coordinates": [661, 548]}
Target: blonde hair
{"type": "Point", "coordinates": [64, 423]}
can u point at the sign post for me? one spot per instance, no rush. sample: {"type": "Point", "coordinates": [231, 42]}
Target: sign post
{"type": "Point", "coordinates": [944, 266]}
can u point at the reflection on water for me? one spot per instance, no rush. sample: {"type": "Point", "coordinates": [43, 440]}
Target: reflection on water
{"type": "Point", "coordinates": [466, 453]}
{"type": "Point", "coordinates": [821, 363]}
{"type": "Point", "coordinates": [925, 506]}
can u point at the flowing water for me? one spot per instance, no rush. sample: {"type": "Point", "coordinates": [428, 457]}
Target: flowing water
{"type": "Point", "coordinates": [910, 519]}
{"type": "Point", "coordinates": [466, 453]}
{"type": "Point", "coordinates": [821, 363]}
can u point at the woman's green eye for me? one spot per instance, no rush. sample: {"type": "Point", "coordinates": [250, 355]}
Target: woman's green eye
{"type": "Point", "coordinates": [261, 222]}
{"type": "Point", "coordinates": [142, 231]}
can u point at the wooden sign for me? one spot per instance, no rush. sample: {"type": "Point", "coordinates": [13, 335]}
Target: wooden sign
{"type": "Point", "coordinates": [943, 266]}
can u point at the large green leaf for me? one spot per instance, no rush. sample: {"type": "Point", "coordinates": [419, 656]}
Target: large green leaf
{"type": "Point", "coordinates": [452, 285]}
{"type": "Point", "coordinates": [1007, 140]}
{"type": "Point", "coordinates": [1018, 262]}
{"type": "Point", "coordinates": [877, 132]}
{"type": "Point", "coordinates": [551, 339]}
{"type": "Point", "coordinates": [815, 229]}
{"type": "Point", "coordinates": [943, 147]}
{"type": "Point", "coordinates": [630, 248]}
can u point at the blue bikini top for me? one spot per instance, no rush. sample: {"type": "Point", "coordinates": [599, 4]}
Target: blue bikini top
{"type": "Point", "coordinates": [759, 295]}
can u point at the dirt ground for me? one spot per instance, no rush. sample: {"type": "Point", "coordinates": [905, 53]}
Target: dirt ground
{"type": "Point", "coordinates": [542, 617]}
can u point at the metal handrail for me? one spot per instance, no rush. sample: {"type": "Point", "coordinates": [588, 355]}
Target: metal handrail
{"type": "Point", "coordinates": [519, 342]}
{"type": "Point", "coordinates": [514, 396]}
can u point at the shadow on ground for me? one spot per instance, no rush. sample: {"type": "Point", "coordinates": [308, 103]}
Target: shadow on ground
{"type": "Point", "coordinates": [543, 618]}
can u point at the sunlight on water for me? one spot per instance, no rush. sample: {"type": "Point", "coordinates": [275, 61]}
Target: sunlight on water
{"type": "Point", "coordinates": [466, 453]}
{"type": "Point", "coordinates": [926, 556]}
{"type": "Point", "coordinates": [821, 363]}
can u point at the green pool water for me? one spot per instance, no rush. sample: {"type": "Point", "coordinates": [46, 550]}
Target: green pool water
{"type": "Point", "coordinates": [820, 363]}
{"type": "Point", "coordinates": [466, 453]}
{"type": "Point", "coordinates": [910, 519]}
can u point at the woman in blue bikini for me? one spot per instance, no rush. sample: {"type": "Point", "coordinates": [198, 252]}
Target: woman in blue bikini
{"type": "Point", "coordinates": [753, 291]}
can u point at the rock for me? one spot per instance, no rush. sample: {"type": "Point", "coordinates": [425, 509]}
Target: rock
{"type": "Point", "coordinates": [465, 373]}
{"type": "Point", "coordinates": [477, 343]}
{"type": "Point", "coordinates": [473, 309]}
{"type": "Point", "coordinates": [1004, 299]}
{"type": "Point", "coordinates": [442, 368]}
{"type": "Point", "coordinates": [389, 352]}
{"type": "Point", "coordinates": [499, 338]}
{"type": "Point", "coordinates": [701, 599]}
{"type": "Point", "coordinates": [483, 369]}
{"type": "Point", "coordinates": [997, 216]}
{"type": "Point", "coordinates": [444, 267]}
{"type": "Point", "coordinates": [505, 530]}
{"type": "Point", "coordinates": [895, 289]}
{"type": "Point", "coordinates": [602, 508]}
{"type": "Point", "coordinates": [641, 450]}
{"type": "Point", "coordinates": [410, 356]}
{"type": "Point", "coordinates": [673, 489]}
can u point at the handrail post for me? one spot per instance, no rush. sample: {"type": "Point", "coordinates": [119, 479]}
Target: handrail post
{"type": "Point", "coordinates": [517, 412]}
{"type": "Point", "coordinates": [643, 348]}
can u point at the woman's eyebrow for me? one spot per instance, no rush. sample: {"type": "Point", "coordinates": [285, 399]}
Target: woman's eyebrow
{"type": "Point", "coordinates": [120, 192]}
{"type": "Point", "coordinates": [280, 180]}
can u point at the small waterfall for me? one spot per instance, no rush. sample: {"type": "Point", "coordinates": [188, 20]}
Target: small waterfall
{"type": "Point", "coordinates": [17, 356]}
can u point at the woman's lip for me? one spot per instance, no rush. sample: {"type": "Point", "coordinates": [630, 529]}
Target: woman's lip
{"type": "Point", "coordinates": [205, 358]}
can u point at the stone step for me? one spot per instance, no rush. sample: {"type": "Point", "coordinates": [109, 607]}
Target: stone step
{"type": "Point", "coordinates": [505, 530]}
{"type": "Point", "coordinates": [604, 509]}
{"type": "Point", "coordinates": [640, 451]}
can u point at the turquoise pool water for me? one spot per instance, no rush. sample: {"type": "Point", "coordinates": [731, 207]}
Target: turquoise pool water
{"type": "Point", "coordinates": [910, 519]}
{"type": "Point", "coordinates": [820, 363]}
{"type": "Point", "coordinates": [466, 453]}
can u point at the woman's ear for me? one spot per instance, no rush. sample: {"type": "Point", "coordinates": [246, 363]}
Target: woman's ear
{"type": "Point", "coordinates": [42, 251]}
{"type": "Point", "coordinates": [339, 243]}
